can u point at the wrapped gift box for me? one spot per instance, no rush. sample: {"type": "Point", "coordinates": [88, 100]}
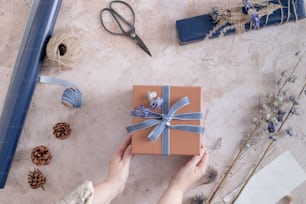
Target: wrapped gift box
{"type": "Point", "coordinates": [178, 142]}
{"type": "Point", "coordinates": [271, 12]}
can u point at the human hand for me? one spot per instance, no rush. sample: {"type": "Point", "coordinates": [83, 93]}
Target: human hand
{"type": "Point", "coordinates": [119, 166]}
{"type": "Point", "coordinates": [118, 173]}
{"type": "Point", "coordinates": [192, 171]}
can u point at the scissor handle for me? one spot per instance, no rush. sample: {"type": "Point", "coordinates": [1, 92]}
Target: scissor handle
{"type": "Point", "coordinates": [116, 16]}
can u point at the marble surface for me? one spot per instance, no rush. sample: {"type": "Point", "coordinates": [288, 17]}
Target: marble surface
{"type": "Point", "coordinates": [234, 71]}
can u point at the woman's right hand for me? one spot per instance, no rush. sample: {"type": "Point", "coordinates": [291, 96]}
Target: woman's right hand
{"type": "Point", "coordinates": [192, 171]}
{"type": "Point", "coordinates": [188, 174]}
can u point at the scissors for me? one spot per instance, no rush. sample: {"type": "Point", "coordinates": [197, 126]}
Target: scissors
{"type": "Point", "coordinates": [120, 21]}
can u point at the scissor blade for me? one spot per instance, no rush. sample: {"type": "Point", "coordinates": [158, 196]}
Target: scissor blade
{"type": "Point", "coordinates": [141, 44]}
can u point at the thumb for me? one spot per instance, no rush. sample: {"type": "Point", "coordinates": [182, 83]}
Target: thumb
{"type": "Point", "coordinates": [128, 156]}
{"type": "Point", "coordinates": [203, 163]}
{"type": "Point", "coordinates": [197, 158]}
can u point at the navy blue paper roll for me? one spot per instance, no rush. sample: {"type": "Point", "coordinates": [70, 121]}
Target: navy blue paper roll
{"type": "Point", "coordinates": [38, 30]}
{"type": "Point", "coordinates": [199, 27]}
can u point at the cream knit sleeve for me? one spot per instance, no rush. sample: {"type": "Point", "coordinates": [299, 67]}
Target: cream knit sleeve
{"type": "Point", "coordinates": [83, 194]}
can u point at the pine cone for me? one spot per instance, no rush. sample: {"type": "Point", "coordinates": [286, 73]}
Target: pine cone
{"type": "Point", "coordinates": [41, 155]}
{"type": "Point", "coordinates": [61, 130]}
{"type": "Point", "coordinates": [36, 179]}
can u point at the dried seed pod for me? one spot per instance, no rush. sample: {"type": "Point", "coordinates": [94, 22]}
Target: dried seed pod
{"type": "Point", "coordinates": [41, 155]}
{"type": "Point", "coordinates": [199, 199]}
{"type": "Point", "coordinates": [217, 14]}
{"type": "Point", "coordinates": [36, 179]}
{"type": "Point", "coordinates": [211, 175]}
{"type": "Point", "coordinates": [61, 130]}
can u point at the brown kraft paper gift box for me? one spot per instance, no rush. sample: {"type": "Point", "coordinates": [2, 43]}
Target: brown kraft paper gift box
{"type": "Point", "coordinates": [182, 142]}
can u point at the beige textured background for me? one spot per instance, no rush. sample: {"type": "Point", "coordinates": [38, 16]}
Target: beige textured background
{"type": "Point", "coordinates": [233, 71]}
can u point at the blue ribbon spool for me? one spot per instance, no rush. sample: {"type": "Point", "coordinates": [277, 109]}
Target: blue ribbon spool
{"type": "Point", "coordinates": [162, 121]}
{"type": "Point", "coordinates": [72, 96]}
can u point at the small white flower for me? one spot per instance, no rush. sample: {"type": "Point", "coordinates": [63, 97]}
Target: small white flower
{"type": "Point", "coordinates": [268, 116]}
{"type": "Point", "coordinates": [151, 95]}
{"type": "Point", "coordinates": [265, 106]}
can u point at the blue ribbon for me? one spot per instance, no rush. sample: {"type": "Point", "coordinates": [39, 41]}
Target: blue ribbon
{"type": "Point", "coordinates": [72, 96]}
{"type": "Point", "coordinates": [162, 121]}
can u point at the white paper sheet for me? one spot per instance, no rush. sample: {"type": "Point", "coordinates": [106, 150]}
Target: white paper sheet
{"type": "Point", "coordinates": [272, 183]}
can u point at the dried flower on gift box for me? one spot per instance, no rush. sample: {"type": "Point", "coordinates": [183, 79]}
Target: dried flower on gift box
{"type": "Point", "coordinates": [142, 111]}
{"type": "Point", "coordinates": [151, 95]}
{"type": "Point", "coordinates": [155, 102]}
{"type": "Point", "coordinates": [268, 123]}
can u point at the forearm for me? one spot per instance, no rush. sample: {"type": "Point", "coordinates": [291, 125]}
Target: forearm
{"type": "Point", "coordinates": [104, 193]}
{"type": "Point", "coordinates": [172, 195]}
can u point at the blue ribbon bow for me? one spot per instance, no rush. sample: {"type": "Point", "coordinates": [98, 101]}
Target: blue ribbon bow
{"type": "Point", "coordinates": [162, 121]}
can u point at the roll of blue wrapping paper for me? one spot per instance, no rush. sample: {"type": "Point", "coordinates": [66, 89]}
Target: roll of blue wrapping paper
{"type": "Point", "coordinates": [38, 30]}
{"type": "Point", "coordinates": [201, 27]}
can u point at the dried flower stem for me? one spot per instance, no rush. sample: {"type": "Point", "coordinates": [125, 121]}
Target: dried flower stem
{"type": "Point", "coordinates": [253, 171]}
{"type": "Point", "coordinates": [291, 74]}
{"type": "Point", "coordinates": [220, 184]}
{"type": "Point", "coordinates": [244, 145]}
{"type": "Point", "coordinates": [232, 164]}
{"type": "Point", "coordinates": [265, 152]}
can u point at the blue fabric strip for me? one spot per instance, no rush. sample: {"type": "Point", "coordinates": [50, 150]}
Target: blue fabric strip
{"type": "Point", "coordinates": [189, 128]}
{"type": "Point", "coordinates": [188, 116]}
{"type": "Point", "coordinates": [166, 131]}
{"type": "Point", "coordinates": [178, 105]}
{"type": "Point", "coordinates": [55, 81]}
{"type": "Point", "coordinates": [157, 119]}
{"type": "Point", "coordinates": [142, 125]}
{"type": "Point", "coordinates": [151, 114]}
{"type": "Point", "coordinates": [71, 97]}
{"type": "Point", "coordinates": [157, 131]}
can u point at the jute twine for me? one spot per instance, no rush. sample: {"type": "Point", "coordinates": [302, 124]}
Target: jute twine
{"type": "Point", "coordinates": [64, 49]}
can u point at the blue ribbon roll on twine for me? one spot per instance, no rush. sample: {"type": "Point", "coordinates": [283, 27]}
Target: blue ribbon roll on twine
{"type": "Point", "coordinates": [72, 96]}
{"type": "Point", "coordinates": [162, 121]}
{"type": "Point", "coordinates": [38, 30]}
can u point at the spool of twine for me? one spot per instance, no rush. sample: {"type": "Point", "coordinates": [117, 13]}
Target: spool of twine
{"type": "Point", "coordinates": [64, 49]}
